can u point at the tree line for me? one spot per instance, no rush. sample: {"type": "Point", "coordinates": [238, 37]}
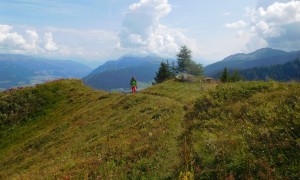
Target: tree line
{"type": "Point", "coordinates": [281, 72]}
{"type": "Point", "coordinates": [185, 64]}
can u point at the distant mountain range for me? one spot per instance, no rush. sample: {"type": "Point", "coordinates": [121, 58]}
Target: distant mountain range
{"type": "Point", "coordinates": [260, 58]}
{"type": "Point", "coordinates": [21, 70]}
{"type": "Point", "coordinates": [115, 75]}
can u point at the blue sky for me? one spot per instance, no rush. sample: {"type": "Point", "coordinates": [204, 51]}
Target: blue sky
{"type": "Point", "coordinates": [99, 30]}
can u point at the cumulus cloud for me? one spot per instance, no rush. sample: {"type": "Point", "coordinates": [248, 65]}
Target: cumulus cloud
{"type": "Point", "coordinates": [27, 41]}
{"type": "Point", "coordinates": [272, 24]}
{"type": "Point", "coordinates": [50, 45]}
{"type": "Point", "coordinates": [4, 29]}
{"type": "Point", "coordinates": [10, 39]}
{"type": "Point", "coordinates": [280, 13]}
{"type": "Point", "coordinates": [142, 31]}
{"type": "Point", "coordinates": [278, 25]}
{"type": "Point", "coordinates": [59, 42]}
{"type": "Point", "coordinates": [235, 25]}
{"type": "Point", "coordinates": [33, 38]}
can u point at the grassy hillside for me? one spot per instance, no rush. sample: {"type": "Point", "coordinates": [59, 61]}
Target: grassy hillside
{"type": "Point", "coordinates": [173, 130]}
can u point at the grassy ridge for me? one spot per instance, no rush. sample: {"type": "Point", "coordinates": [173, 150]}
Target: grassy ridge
{"type": "Point", "coordinates": [96, 134]}
{"type": "Point", "coordinates": [170, 130]}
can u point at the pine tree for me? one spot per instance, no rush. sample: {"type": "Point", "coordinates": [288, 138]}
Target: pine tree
{"type": "Point", "coordinates": [186, 64]}
{"type": "Point", "coordinates": [163, 72]}
{"type": "Point", "coordinates": [184, 58]}
{"type": "Point", "coordinates": [225, 76]}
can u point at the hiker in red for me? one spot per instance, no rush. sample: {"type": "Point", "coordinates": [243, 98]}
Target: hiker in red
{"type": "Point", "coordinates": [133, 84]}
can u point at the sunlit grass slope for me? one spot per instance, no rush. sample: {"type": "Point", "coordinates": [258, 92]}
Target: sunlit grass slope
{"type": "Point", "coordinates": [246, 130]}
{"type": "Point", "coordinates": [86, 133]}
{"type": "Point", "coordinates": [63, 129]}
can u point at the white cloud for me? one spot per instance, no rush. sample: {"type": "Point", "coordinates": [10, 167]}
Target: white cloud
{"type": "Point", "coordinates": [281, 13]}
{"type": "Point", "coordinates": [279, 25]}
{"type": "Point", "coordinates": [4, 29]}
{"type": "Point", "coordinates": [60, 43]}
{"type": "Point", "coordinates": [50, 45]}
{"type": "Point", "coordinates": [235, 25]}
{"type": "Point", "coordinates": [142, 31]}
{"type": "Point", "coordinates": [263, 29]}
{"type": "Point", "coordinates": [255, 43]}
{"type": "Point", "coordinates": [274, 24]}
{"type": "Point", "coordinates": [12, 40]}
{"type": "Point", "coordinates": [33, 39]}
{"type": "Point", "coordinates": [27, 41]}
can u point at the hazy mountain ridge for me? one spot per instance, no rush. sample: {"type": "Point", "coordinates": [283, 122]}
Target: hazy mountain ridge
{"type": "Point", "coordinates": [117, 74]}
{"type": "Point", "coordinates": [259, 58]}
{"type": "Point", "coordinates": [127, 62]}
{"type": "Point", "coordinates": [20, 70]}
{"type": "Point", "coordinates": [260, 53]}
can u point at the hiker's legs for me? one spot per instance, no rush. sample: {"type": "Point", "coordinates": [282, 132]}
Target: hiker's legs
{"type": "Point", "coordinates": [133, 89]}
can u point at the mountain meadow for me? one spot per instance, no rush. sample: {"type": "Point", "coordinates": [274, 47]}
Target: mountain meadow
{"type": "Point", "coordinates": [173, 130]}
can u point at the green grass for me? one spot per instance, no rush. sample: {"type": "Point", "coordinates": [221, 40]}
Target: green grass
{"type": "Point", "coordinates": [95, 134]}
{"type": "Point", "coordinates": [172, 130]}
{"type": "Point", "coordinates": [247, 130]}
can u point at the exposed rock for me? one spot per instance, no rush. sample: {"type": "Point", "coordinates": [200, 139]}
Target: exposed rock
{"type": "Point", "coordinates": [210, 80]}
{"type": "Point", "coordinates": [185, 78]}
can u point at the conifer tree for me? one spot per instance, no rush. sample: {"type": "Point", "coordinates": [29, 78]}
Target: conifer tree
{"type": "Point", "coordinates": [225, 76]}
{"type": "Point", "coordinates": [184, 58]}
{"type": "Point", "coordinates": [186, 64]}
{"type": "Point", "coordinates": [163, 72]}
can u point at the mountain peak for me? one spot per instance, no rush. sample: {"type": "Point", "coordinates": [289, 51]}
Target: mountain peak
{"type": "Point", "coordinates": [139, 56]}
{"type": "Point", "coordinates": [258, 58]}
{"type": "Point", "coordinates": [267, 52]}
{"type": "Point", "coordinates": [127, 61]}
{"type": "Point", "coordinates": [260, 53]}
